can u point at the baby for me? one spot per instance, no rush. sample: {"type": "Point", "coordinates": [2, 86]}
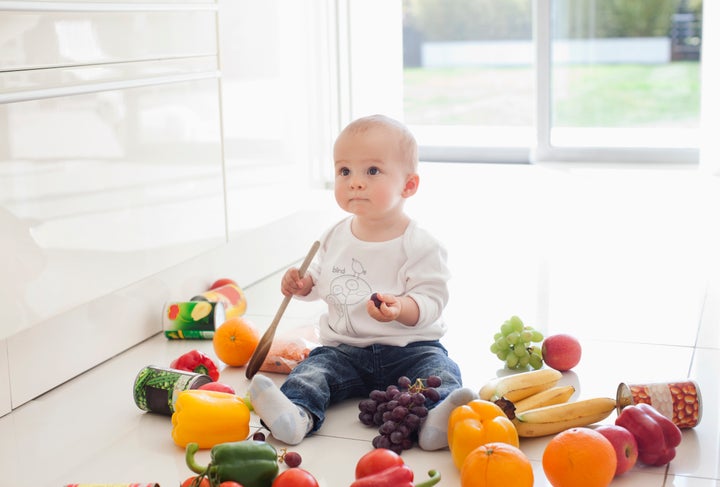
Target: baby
{"type": "Point", "coordinates": [384, 280]}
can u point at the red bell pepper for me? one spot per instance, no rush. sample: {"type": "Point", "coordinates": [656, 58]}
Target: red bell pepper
{"type": "Point", "coordinates": [656, 435]}
{"type": "Point", "coordinates": [385, 468]}
{"type": "Point", "coordinates": [198, 362]}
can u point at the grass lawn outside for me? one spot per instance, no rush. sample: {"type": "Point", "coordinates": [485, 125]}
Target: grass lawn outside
{"type": "Point", "coordinates": [609, 95]}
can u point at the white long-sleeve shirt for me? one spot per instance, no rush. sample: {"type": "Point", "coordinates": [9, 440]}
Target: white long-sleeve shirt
{"type": "Point", "coordinates": [346, 271]}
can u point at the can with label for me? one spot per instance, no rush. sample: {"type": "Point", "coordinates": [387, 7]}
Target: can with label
{"type": "Point", "coordinates": [679, 401]}
{"type": "Point", "coordinates": [230, 295]}
{"type": "Point", "coordinates": [156, 388]}
{"type": "Point", "coordinates": [192, 319]}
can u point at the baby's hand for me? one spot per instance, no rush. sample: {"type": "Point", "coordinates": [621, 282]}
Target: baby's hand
{"type": "Point", "coordinates": [383, 307]}
{"type": "Point", "coordinates": [292, 284]}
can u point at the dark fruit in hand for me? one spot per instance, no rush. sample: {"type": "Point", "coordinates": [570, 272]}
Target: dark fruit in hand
{"type": "Point", "coordinates": [376, 300]}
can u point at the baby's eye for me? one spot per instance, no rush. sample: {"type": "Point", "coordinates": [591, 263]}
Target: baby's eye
{"type": "Point", "coordinates": [373, 171]}
{"type": "Point", "coordinates": [343, 171]}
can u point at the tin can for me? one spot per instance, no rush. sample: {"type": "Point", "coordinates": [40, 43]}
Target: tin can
{"type": "Point", "coordinates": [156, 388]}
{"type": "Point", "coordinates": [192, 319]}
{"type": "Point", "coordinates": [679, 401]}
{"type": "Point", "coordinates": [230, 295]}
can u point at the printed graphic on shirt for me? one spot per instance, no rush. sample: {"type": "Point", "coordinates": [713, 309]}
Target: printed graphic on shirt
{"type": "Point", "coordinates": [346, 290]}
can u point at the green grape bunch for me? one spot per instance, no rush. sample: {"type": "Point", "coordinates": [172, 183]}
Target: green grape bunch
{"type": "Point", "coordinates": [513, 344]}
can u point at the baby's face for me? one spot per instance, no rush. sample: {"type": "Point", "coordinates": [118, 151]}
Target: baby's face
{"type": "Point", "coordinates": [371, 172]}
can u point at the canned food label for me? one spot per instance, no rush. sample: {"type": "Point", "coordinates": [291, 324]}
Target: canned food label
{"type": "Point", "coordinates": [678, 401]}
{"type": "Point", "coordinates": [189, 334]}
{"type": "Point", "coordinates": [192, 319]}
{"type": "Point", "coordinates": [230, 295]}
{"type": "Point", "coordinates": [156, 388]}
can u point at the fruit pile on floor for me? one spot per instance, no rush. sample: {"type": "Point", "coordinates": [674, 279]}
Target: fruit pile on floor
{"type": "Point", "coordinates": [483, 435]}
{"type": "Point", "coordinates": [579, 452]}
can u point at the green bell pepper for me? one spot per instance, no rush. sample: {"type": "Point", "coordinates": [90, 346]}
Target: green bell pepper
{"type": "Point", "coordinates": [250, 463]}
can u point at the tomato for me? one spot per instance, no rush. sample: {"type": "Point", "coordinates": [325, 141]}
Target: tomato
{"type": "Point", "coordinates": [222, 282]}
{"type": "Point", "coordinates": [295, 477]}
{"type": "Point", "coordinates": [205, 482]}
{"type": "Point", "coordinates": [217, 386]}
{"type": "Point", "coordinates": [230, 483]}
{"type": "Point", "coordinates": [375, 461]}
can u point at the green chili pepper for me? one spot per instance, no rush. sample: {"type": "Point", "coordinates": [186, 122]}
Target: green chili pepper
{"type": "Point", "coordinates": [250, 463]}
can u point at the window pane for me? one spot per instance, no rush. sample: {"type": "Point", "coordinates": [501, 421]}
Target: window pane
{"type": "Point", "coordinates": [625, 73]}
{"type": "Point", "coordinates": [468, 71]}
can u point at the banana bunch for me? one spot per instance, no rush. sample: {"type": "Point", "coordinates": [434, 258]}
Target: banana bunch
{"type": "Point", "coordinates": [515, 387]}
{"type": "Point", "coordinates": [548, 397]}
{"type": "Point", "coordinates": [540, 407]}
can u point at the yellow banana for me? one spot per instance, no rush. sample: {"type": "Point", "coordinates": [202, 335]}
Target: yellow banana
{"type": "Point", "coordinates": [549, 420]}
{"type": "Point", "coordinates": [519, 386]}
{"type": "Point", "coordinates": [548, 397]}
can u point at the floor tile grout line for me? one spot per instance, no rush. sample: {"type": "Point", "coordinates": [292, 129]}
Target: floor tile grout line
{"type": "Point", "coordinates": [703, 309]}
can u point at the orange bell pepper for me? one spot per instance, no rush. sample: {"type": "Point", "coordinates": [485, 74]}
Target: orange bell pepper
{"type": "Point", "coordinates": [475, 424]}
{"type": "Point", "coordinates": [209, 418]}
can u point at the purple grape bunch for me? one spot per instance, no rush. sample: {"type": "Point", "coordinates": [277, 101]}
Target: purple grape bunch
{"type": "Point", "coordinates": [399, 411]}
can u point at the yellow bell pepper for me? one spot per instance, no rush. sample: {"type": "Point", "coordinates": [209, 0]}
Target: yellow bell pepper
{"type": "Point", "coordinates": [475, 424]}
{"type": "Point", "coordinates": [209, 418]}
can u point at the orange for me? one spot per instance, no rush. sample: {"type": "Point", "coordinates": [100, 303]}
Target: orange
{"type": "Point", "coordinates": [496, 465]}
{"type": "Point", "coordinates": [235, 341]}
{"type": "Point", "coordinates": [579, 456]}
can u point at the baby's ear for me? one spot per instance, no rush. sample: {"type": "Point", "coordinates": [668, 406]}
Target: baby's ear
{"type": "Point", "coordinates": [411, 185]}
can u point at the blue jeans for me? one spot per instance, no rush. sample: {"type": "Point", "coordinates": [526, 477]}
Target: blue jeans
{"type": "Point", "coordinates": [332, 374]}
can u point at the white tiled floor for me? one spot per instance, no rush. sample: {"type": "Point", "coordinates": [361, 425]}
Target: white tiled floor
{"type": "Point", "coordinates": [626, 260]}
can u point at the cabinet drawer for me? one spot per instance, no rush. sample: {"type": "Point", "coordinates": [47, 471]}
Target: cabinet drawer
{"type": "Point", "coordinates": [32, 39]}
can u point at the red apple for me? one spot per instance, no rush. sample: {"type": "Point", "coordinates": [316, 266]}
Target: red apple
{"type": "Point", "coordinates": [561, 352]}
{"type": "Point", "coordinates": [222, 282]}
{"type": "Point", "coordinates": [625, 444]}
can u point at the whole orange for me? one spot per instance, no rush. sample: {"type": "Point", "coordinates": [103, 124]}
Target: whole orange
{"type": "Point", "coordinates": [235, 341]}
{"type": "Point", "coordinates": [579, 456]}
{"type": "Point", "coordinates": [496, 465]}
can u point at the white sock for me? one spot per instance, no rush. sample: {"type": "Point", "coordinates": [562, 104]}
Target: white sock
{"type": "Point", "coordinates": [433, 433]}
{"type": "Point", "coordinates": [287, 422]}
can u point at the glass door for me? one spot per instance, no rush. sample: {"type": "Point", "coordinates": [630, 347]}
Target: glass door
{"type": "Point", "coordinates": [576, 80]}
{"type": "Point", "coordinates": [469, 78]}
{"type": "Point", "coordinates": [620, 80]}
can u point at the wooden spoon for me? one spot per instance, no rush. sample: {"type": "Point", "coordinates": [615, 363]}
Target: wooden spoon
{"type": "Point", "coordinates": [263, 346]}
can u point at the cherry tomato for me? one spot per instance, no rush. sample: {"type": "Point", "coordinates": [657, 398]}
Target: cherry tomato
{"type": "Point", "coordinates": [217, 386]}
{"type": "Point", "coordinates": [295, 477]}
{"type": "Point", "coordinates": [205, 482]}
{"type": "Point", "coordinates": [375, 461]}
{"type": "Point", "coordinates": [222, 282]}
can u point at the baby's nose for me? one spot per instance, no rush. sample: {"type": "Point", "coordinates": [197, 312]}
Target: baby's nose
{"type": "Point", "coordinates": [357, 183]}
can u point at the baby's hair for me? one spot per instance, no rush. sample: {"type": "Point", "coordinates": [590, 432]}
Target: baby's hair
{"type": "Point", "coordinates": [407, 142]}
